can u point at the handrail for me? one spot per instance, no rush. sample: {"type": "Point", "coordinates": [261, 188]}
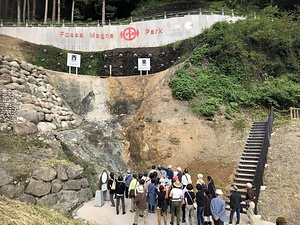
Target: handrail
{"type": "Point", "coordinates": [258, 177]}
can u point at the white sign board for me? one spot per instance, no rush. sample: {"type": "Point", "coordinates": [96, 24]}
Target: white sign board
{"type": "Point", "coordinates": [144, 64]}
{"type": "Point", "coordinates": [73, 60]}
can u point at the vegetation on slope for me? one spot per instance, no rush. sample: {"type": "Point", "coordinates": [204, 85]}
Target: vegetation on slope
{"type": "Point", "coordinates": [35, 215]}
{"type": "Point", "coordinates": [253, 62]}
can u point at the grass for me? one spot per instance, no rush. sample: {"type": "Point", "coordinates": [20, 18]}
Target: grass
{"type": "Point", "coordinates": [18, 213]}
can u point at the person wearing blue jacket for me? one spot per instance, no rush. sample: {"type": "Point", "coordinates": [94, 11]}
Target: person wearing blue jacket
{"type": "Point", "coordinates": [217, 207]}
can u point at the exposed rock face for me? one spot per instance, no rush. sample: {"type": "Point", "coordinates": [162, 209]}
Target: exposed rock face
{"type": "Point", "coordinates": [46, 189]}
{"type": "Point", "coordinates": [26, 94]}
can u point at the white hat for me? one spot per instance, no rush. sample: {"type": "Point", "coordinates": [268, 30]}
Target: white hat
{"type": "Point", "coordinates": [128, 171]}
{"type": "Point", "coordinates": [235, 188]}
{"type": "Point", "coordinates": [200, 176]}
{"type": "Point", "coordinates": [140, 189]}
{"type": "Point", "coordinates": [169, 166]}
{"type": "Point", "coordinates": [249, 185]}
{"type": "Point", "coordinates": [179, 168]}
{"type": "Point", "coordinates": [219, 192]}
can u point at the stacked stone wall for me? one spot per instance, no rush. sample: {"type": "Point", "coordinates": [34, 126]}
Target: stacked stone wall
{"type": "Point", "coordinates": [28, 102]}
{"type": "Point", "coordinates": [62, 188]}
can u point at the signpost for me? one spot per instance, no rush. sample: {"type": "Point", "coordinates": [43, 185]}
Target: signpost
{"type": "Point", "coordinates": [73, 60]}
{"type": "Point", "coordinates": [144, 65]}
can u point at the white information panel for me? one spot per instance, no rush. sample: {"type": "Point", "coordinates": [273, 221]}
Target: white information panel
{"type": "Point", "coordinates": [73, 60]}
{"type": "Point", "coordinates": [143, 64]}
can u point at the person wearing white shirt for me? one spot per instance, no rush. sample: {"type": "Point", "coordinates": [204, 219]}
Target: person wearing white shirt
{"type": "Point", "coordinates": [186, 178]}
{"type": "Point", "coordinates": [176, 196]}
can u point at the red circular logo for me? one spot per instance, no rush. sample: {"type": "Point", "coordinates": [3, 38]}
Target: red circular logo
{"type": "Point", "coordinates": [129, 33]}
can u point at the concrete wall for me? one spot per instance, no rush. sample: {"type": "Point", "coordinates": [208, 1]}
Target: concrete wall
{"type": "Point", "coordinates": [150, 33]}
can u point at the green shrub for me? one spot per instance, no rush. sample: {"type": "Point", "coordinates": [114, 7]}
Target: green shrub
{"type": "Point", "coordinates": [210, 107]}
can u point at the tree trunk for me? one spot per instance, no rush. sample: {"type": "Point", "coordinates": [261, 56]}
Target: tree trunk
{"type": "Point", "coordinates": [24, 11]}
{"type": "Point", "coordinates": [46, 11]}
{"type": "Point", "coordinates": [6, 9]}
{"type": "Point", "coordinates": [103, 12]}
{"type": "Point", "coordinates": [58, 11]}
{"type": "Point", "coordinates": [28, 11]}
{"type": "Point", "coordinates": [72, 12]}
{"type": "Point", "coordinates": [33, 9]}
{"type": "Point", "coordinates": [19, 12]}
{"type": "Point", "coordinates": [53, 11]}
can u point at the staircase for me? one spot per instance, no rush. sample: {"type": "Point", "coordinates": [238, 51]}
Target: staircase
{"type": "Point", "coordinates": [249, 160]}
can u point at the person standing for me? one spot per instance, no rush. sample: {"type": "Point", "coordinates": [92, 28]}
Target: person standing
{"type": "Point", "coordinates": [200, 204]}
{"type": "Point", "coordinates": [211, 186]}
{"type": "Point", "coordinates": [162, 204]}
{"type": "Point", "coordinates": [235, 205]}
{"type": "Point", "coordinates": [207, 212]}
{"type": "Point", "coordinates": [120, 189]}
{"type": "Point", "coordinates": [141, 205]}
{"type": "Point", "coordinates": [128, 178]}
{"type": "Point", "coordinates": [176, 198]}
{"type": "Point", "coordinates": [250, 197]}
{"type": "Point", "coordinates": [132, 190]}
{"type": "Point", "coordinates": [111, 185]}
{"type": "Point", "coordinates": [152, 196]}
{"type": "Point", "coordinates": [190, 198]}
{"type": "Point", "coordinates": [217, 207]}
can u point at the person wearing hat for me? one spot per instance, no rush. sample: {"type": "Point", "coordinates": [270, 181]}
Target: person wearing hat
{"type": "Point", "coordinates": [281, 221]}
{"type": "Point", "coordinates": [128, 178]}
{"type": "Point", "coordinates": [250, 197]}
{"type": "Point", "coordinates": [217, 207]}
{"type": "Point", "coordinates": [170, 172]}
{"type": "Point", "coordinates": [176, 197]}
{"type": "Point", "coordinates": [140, 202]}
{"type": "Point", "coordinates": [235, 205]}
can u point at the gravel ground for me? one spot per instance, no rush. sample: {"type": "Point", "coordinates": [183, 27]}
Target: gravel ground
{"type": "Point", "coordinates": [282, 179]}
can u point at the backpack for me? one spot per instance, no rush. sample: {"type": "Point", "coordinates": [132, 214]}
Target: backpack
{"type": "Point", "coordinates": [113, 185]}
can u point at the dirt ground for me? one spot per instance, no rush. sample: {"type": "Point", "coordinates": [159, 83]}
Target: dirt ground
{"type": "Point", "coordinates": [176, 136]}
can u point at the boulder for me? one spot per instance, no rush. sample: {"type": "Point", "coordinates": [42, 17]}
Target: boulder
{"type": "Point", "coordinates": [30, 115]}
{"type": "Point", "coordinates": [5, 178]}
{"type": "Point", "coordinates": [56, 186]}
{"type": "Point", "coordinates": [75, 172]}
{"type": "Point", "coordinates": [29, 199]}
{"type": "Point", "coordinates": [12, 191]}
{"type": "Point", "coordinates": [38, 188]}
{"type": "Point", "coordinates": [5, 79]}
{"type": "Point", "coordinates": [45, 174]}
{"type": "Point", "coordinates": [72, 185]}
{"type": "Point", "coordinates": [25, 128]}
{"type": "Point", "coordinates": [47, 200]}
{"type": "Point", "coordinates": [45, 127]}
{"type": "Point", "coordinates": [61, 173]}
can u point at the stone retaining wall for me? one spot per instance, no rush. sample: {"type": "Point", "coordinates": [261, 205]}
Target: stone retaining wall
{"type": "Point", "coordinates": [61, 187]}
{"type": "Point", "coordinates": [28, 102]}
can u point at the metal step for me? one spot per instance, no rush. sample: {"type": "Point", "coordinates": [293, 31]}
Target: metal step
{"type": "Point", "coordinates": [245, 175]}
{"type": "Point", "coordinates": [250, 157]}
{"type": "Point", "coordinates": [247, 166]}
{"type": "Point", "coordinates": [251, 153]}
{"type": "Point", "coordinates": [249, 162]}
{"type": "Point", "coordinates": [242, 180]}
{"type": "Point", "coordinates": [246, 171]}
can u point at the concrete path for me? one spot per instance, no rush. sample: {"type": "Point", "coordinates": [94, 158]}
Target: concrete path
{"type": "Point", "coordinates": [106, 215]}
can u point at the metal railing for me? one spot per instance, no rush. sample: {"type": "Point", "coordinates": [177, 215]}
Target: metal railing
{"type": "Point", "coordinates": [98, 23]}
{"type": "Point", "coordinates": [295, 113]}
{"type": "Point", "coordinates": [258, 177]}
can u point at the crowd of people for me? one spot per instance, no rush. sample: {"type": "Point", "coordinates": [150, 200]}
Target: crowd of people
{"type": "Point", "coordinates": [163, 190]}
